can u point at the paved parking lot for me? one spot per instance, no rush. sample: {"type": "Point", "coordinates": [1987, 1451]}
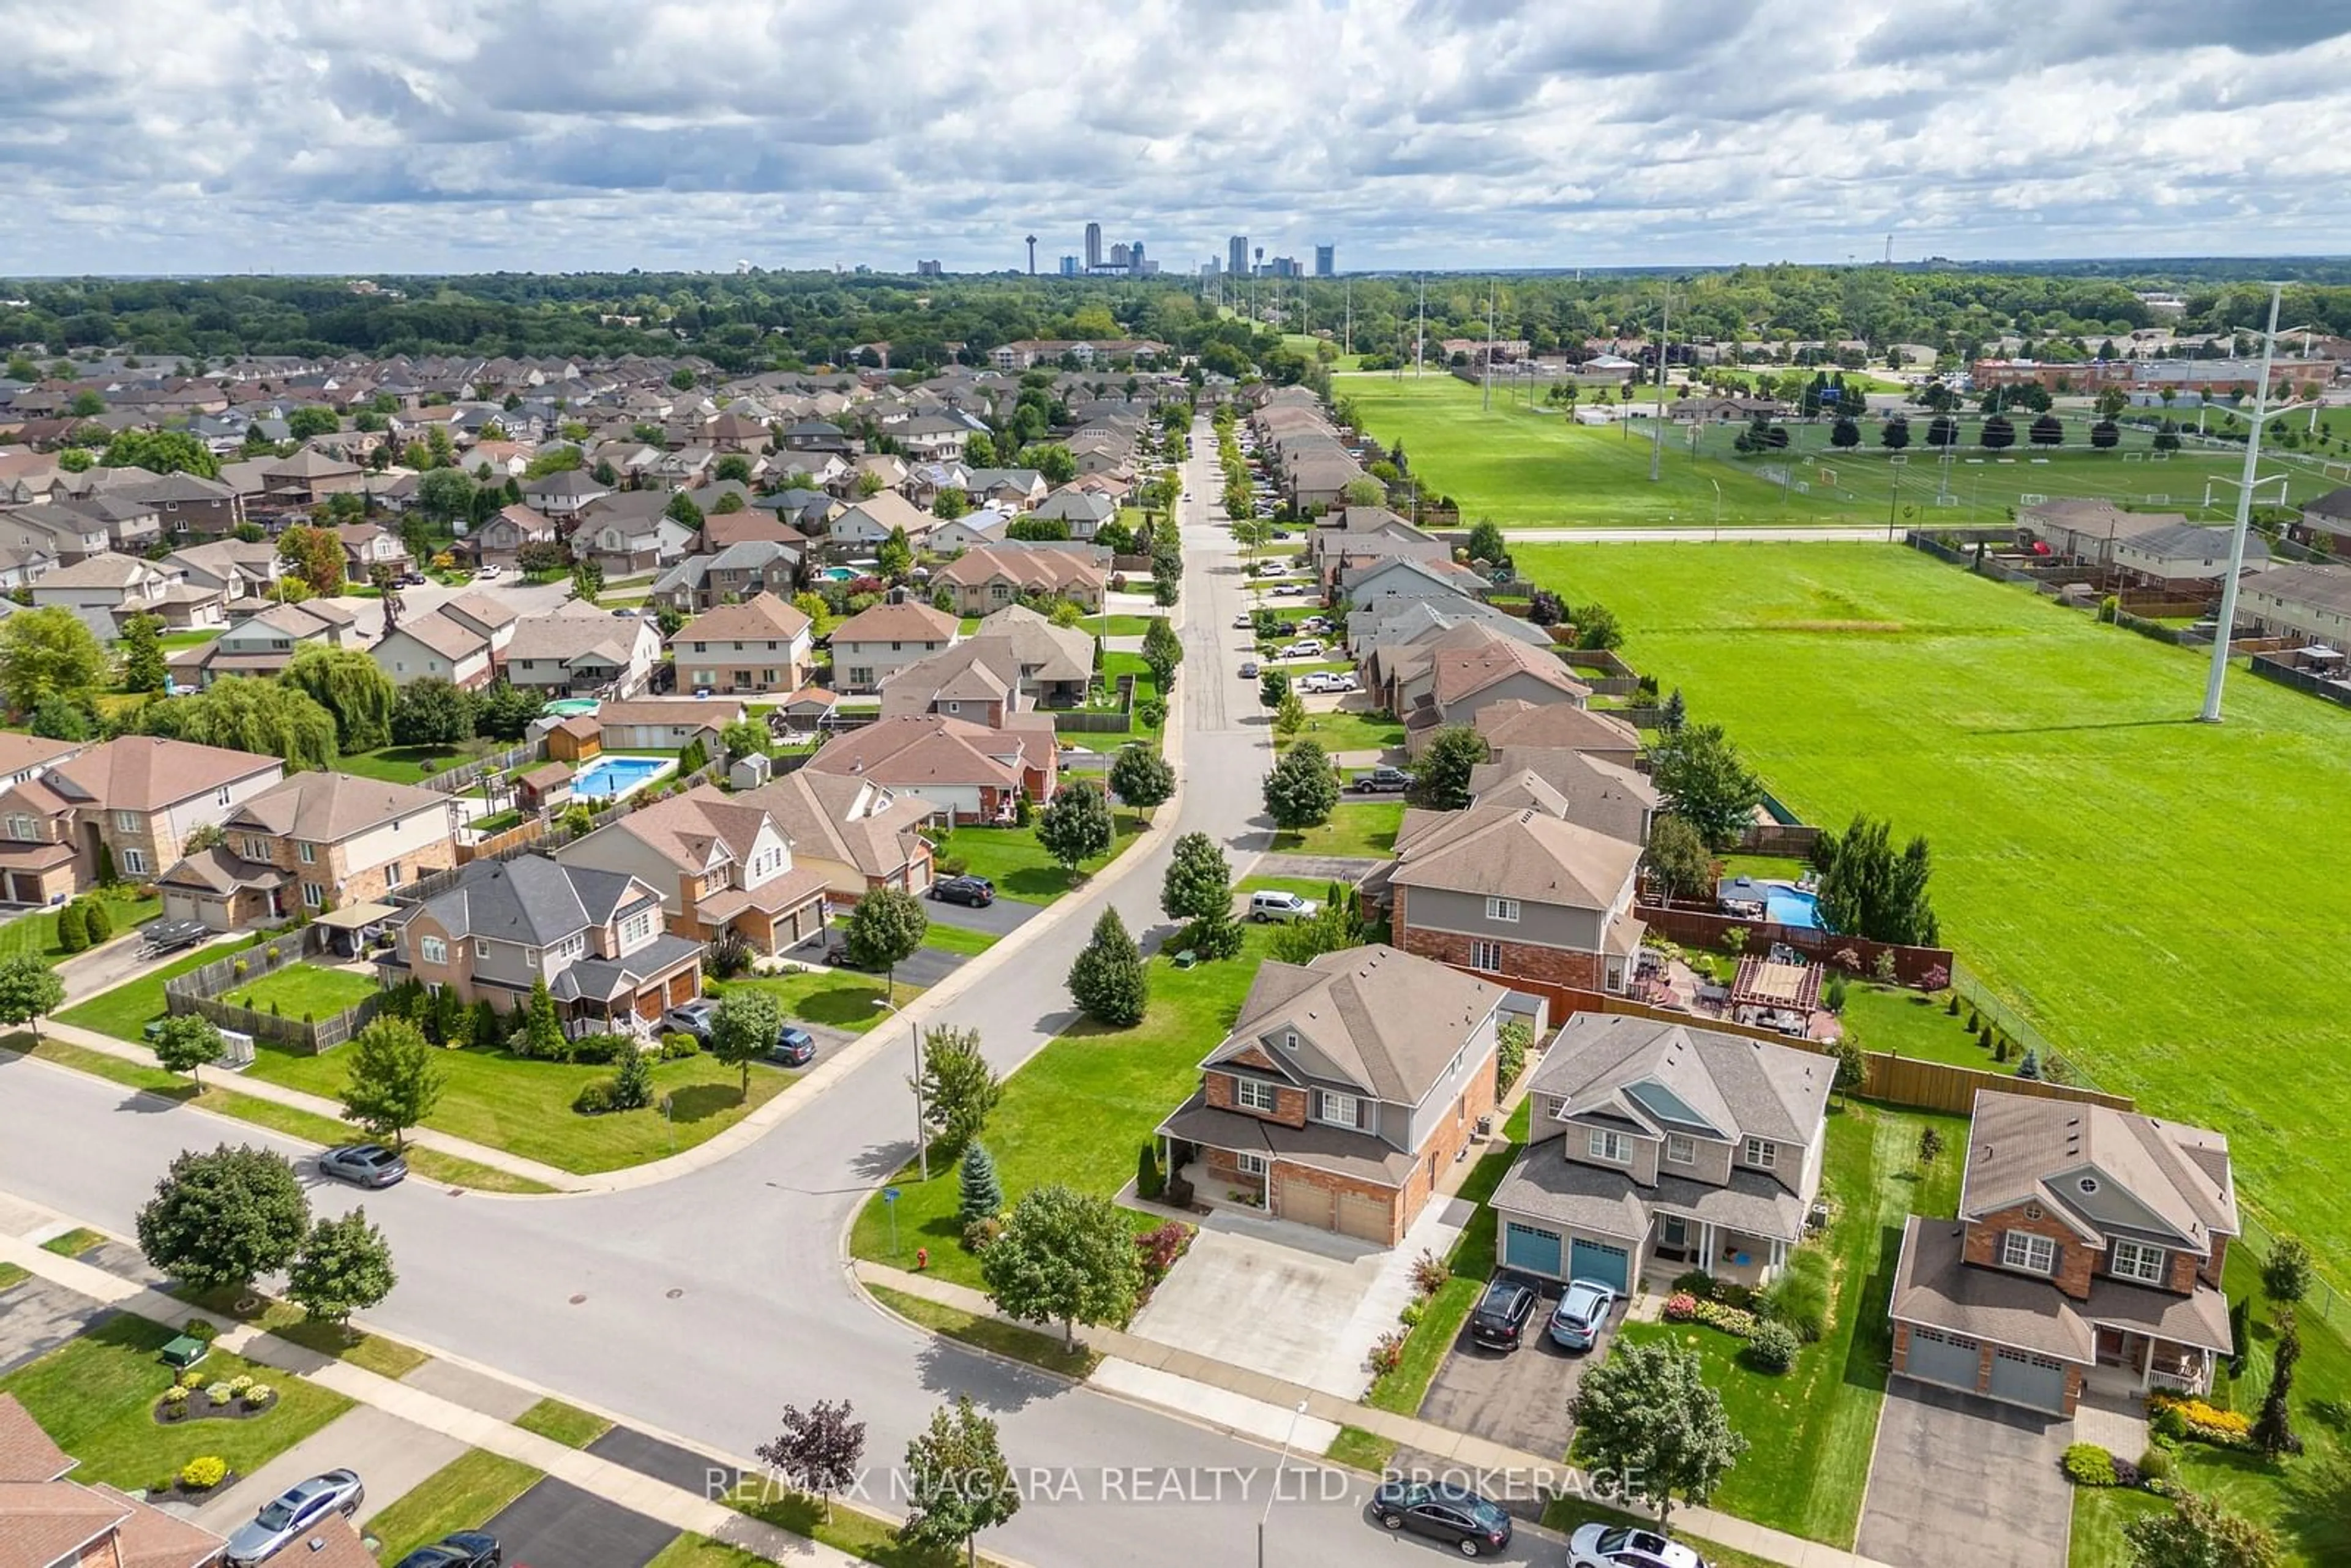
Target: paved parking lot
{"type": "Point", "coordinates": [556, 1522]}
{"type": "Point", "coordinates": [1519, 1397]}
{"type": "Point", "coordinates": [1955, 1479]}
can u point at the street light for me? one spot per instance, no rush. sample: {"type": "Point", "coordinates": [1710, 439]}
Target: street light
{"type": "Point", "coordinates": [2226, 629]}
{"type": "Point", "coordinates": [922, 1120]}
{"type": "Point", "coordinates": [1276, 1489]}
{"type": "Point", "coordinates": [1718, 507]}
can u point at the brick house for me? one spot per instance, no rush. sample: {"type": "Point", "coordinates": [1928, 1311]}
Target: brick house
{"type": "Point", "coordinates": [965, 772]}
{"type": "Point", "coordinates": [594, 937]}
{"type": "Point", "coordinates": [762, 645]}
{"type": "Point", "coordinates": [878, 642]}
{"type": "Point", "coordinates": [133, 801]}
{"type": "Point", "coordinates": [1017, 660]}
{"type": "Point", "coordinates": [316, 842]}
{"type": "Point", "coordinates": [1516, 893]}
{"type": "Point", "coordinates": [1653, 1148]}
{"type": "Point", "coordinates": [2087, 1254]}
{"type": "Point", "coordinates": [989, 578]}
{"type": "Point", "coordinates": [49, 1520]}
{"type": "Point", "coordinates": [500, 540]}
{"type": "Point", "coordinates": [855, 833]}
{"type": "Point", "coordinates": [719, 864]}
{"type": "Point", "coordinates": [1346, 1088]}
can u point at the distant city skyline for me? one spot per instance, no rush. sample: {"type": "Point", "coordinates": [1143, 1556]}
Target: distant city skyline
{"type": "Point", "coordinates": [165, 136]}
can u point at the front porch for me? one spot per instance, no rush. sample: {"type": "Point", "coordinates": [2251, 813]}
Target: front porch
{"type": "Point", "coordinates": [2132, 1362]}
{"type": "Point", "coordinates": [1679, 1244]}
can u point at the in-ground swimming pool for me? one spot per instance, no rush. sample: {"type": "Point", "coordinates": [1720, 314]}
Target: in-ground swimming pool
{"type": "Point", "coordinates": [838, 574]}
{"type": "Point", "coordinates": [1785, 905]}
{"type": "Point", "coordinates": [570, 707]}
{"type": "Point", "coordinates": [610, 778]}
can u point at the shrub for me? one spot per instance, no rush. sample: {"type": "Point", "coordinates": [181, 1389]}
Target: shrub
{"type": "Point", "coordinates": [199, 1328]}
{"type": "Point", "coordinates": [1149, 1180]}
{"type": "Point", "coordinates": [1848, 959]}
{"type": "Point", "coordinates": [678, 1046]}
{"type": "Point", "coordinates": [239, 1383]}
{"type": "Point", "coordinates": [1697, 1283]}
{"type": "Point", "coordinates": [203, 1473]}
{"type": "Point", "coordinates": [1414, 1310]}
{"type": "Point", "coordinates": [2154, 1466]}
{"type": "Point", "coordinates": [2179, 1416]}
{"type": "Point", "coordinates": [175, 1396]}
{"type": "Point", "coordinates": [2088, 1465]}
{"type": "Point", "coordinates": [1773, 1348]}
{"type": "Point", "coordinates": [632, 1085]}
{"type": "Point", "coordinates": [1161, 1245]}
{"type": "Point", "coordinates": [218, 1393]}
{"type": "Point", "coordinates": [1178, 1194]}
{"type": "Point", "coordinates": [1429, 1273]}
{"type": "Point", "coordinates": [239, 968]}
{"type": "Point", "coordinates": [1387, 1353]}
{"type": "Point", "coordinates": [1734, 940]}
{"type": "Point", "coordinates": [1680, 1307]}
{"type": "Point", "coordinates": [258, 1396]}
{"type": "Point", "coordinates": [2167, 1423]}
{"type": "Point", "coordinates": [1883, 967]}
{"type": "Point", "coordinates": [1736, 1322]}
{"type": "Point", "coordinates": [980, 1234]}
{"type": "Point", "coordinates": [601, 1049]}
{"type": "Point", "coordinates": [1935, 979]}
{"type": "Point", "coordinates": [1732, 1293]}
{"type": "Point", "coordinates": [191, 1378]}
{"type": "Point", "coordinates": [594, 1098]}
{"type": "Point", "coordinates": [1799, 1298]}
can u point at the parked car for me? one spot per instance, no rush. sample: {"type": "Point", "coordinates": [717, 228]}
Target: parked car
{"type": "Point", "coordinates": [465, 1549]}
{"type": "Point", "coordinates": [625, 614]}
{"type": "Point", "coordinates": [486, 573]}
{"type": "Point", "coordinates": [692, 1017]}
{"type": "Point", "coordinates": [285, 1517]}
{"type": "Point", "coordinates": [1312, 684]}
{"type": "Point", "coordinates": [1581, 1313]}
{"type": "Point", "coordinates": [1501, 1320]}
{"type": "Point", "coordinates": [1382, 781]}
{"type": "Point", "coordinates": [1243, 622]}
{"type": "Point", "coordinates": [1304, 648]}
{"type": "Point", "coordinates": [1471, 1524]}
{"type": "Point", "coordinates": [1249, 669]}
{"type": "Point", "coordinates": [412, 580]}
{"type": "Point", "coordinates": [976, 891]}
{"type": "Point", "coordinates": [1280, 908]}
{"type": "Point", "coordinates": [1627, 1546]}
{"type": "Point", "coordinates": [794, 1047]}
{"type": "Point", "coordinates": [364, 1164]}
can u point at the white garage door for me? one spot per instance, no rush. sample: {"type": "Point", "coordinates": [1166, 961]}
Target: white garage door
{"type": "Point", "coordinates": [2023, 1378]}
{"type": "Point", "coordinates": [1939, 1357]}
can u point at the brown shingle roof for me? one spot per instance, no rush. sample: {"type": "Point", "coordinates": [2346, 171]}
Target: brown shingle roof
{"type": "Point", "coordinates": [147, 772]}
{"type": "Point", "coordinates": [327, 808]}
{"type": "Point", "coordinates": [27, 1454]}
{"type": "Point", "coordinates": [1387, 1019]}
{"type": "Point", "coordinates": [1513, 851]}
{"type": "Point", "coordinates": [761, 618]}
{"type": "Point", "coordinates": [906, 623]}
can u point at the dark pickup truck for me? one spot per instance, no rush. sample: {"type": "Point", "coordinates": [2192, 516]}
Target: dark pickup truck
{"type": "Point", "coordinates": [1382, 781]}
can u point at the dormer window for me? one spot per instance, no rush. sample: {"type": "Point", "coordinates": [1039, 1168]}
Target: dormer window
{"type": "Point", "coordinates": [2033, 1254]}
{"type": "Point", "coordinates": [1290, 1040]}
{"type": "Point", "coordinates": [1762, 1153]}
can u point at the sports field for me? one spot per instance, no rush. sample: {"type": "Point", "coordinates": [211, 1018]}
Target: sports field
{"type": "Point", "coordinates": [1530, 468]}
{"type": "Point", "coordinates": [2165, 899]}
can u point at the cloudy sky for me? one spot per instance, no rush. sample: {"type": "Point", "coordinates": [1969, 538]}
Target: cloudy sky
{"type": "Point", "coordinates": [452, 135]}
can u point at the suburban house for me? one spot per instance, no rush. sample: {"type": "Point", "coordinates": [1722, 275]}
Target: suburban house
{"type": "Point", "coordinates": [852, 832]}
{"type": "Point", "coordinates": [440, 645]}
{"type": "Point", "coordinates": [663, 724]}
{"type": "Point", "coordinates": [2299, 600]}
{"type": "Point", "coordinates": [309, 477]}
{"type": "Point", "coordinates": [1024, 654]}
{"type": "Point", "coordinates": [23, 757]}
{"type": "Point", "coordinates": [739, 571]}
{"type": "Point", "coordinates": [1512, 723]}
{"type": "Point", "coordinates": [264, 642]}
{"type": "Point", "coordinates": [1517, 893]}
{"type": "Point", "coordinates": [106, 590]}
{"type": "Point", "coordinates": [964, 771]}
{"type": "Point", "coordinates": [1366, 534]}
{"type": "Point", "coordinates": [1380, 581]}
{"type": "Point", "coordinates": [562, 493]}
{"type": "Point", "coordinates": [594, 937]}
{"type": "Point", "coordinates": [1345, 1089]}
{"type": "Point", "coordinates": [189, 503]}
{"type": "Point", "coordinates": [1085, 510]}
{"type": "Point", "coordinates": [720, 863]}
{"type": "Point", "coordinates": [994, 576]}
{"type": "Point", "coordinates": [316, 841]}
{"type": "Point", "coordinates": [367, 547]}
{"type": "Point", "coordinates": [54, 531]}
{"type": "Point", "coordinates": [762, 644]}
{"type": "Point", "coordinates": [130, 801]}
{"type": "Point", "coordinates": [1654, 1149]}
{"type": "Point", "coordinates": [47, 1521]}
{"type": "Point", "coordinates": [864, 526]}
{"type": "Point", "coordinates": [500, 540]}
{"type": "Point", "coordinates": [582, 656]}
{"type": "Point", "coordinates": [231, 568]}
{"type": "Point", "coordinates": [878, 642]}
{"type": "Point", "coordinates": [1469, 670]}
{"type": "Point", "coordinates": [1608, 798]}
{"type": "Point", "coordinates": [2086, 1256]}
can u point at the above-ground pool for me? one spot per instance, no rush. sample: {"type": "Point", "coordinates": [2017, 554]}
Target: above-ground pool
{"type": "Point", "coordinates": [570, 707]}
{"type": "Point", "coordinates": [1785, 905]}
{"type": "Point", "coordinates": [610, 778]}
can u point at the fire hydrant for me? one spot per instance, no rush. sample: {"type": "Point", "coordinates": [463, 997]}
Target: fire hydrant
{"type": "Point", "coordinates": [922, 1259]}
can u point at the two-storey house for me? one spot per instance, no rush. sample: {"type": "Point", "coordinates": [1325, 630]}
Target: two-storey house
{"type": "Point", "coordinates": [740, 571]}
{"type": "Point", "coordinates": [989, 578]}
{"type": "Point", "coordinates": [500, 540]}
{"type": "Point", "coordinates": [595, 937]}
{"type": "Point", "coordinates": [878, 642]}
{"type": "Point", "coordinates": [367, 547]}
{"type": "Point", "coordinates": [719, 862]}
{"type": "Point", "coordinates": [582, 655]}
{"type": "Point", "coordinates": [965, 772]}
{"type": "Point", "coordinates": [760, 646]}
{"type": "Point", "coordinates": [2087, 1253]}
{"type": "Point", "coordinates": [1346, 1088]}
{"type": "Point", "coordinates": [314, 841]}
{"type": "Point", "coordinates": [124, 807]}
{"type": "Point", "coordinates": [1032, 662]}
{"type": "Point", "coordinates": [1463, 682]}
{"type": "Point", "coordinates": [1654, 1149]}
{"type": "Point", "coordinates": [263, 643]}
{"type": "Point", "coordinates": [189, 504]}
{"type": "Point", "coordinates": [857, 835]}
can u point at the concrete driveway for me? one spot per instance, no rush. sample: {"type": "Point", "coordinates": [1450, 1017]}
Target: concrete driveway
{"type": "Point", "coordinates": [557, 1522]}
{"type": "Point", "coordinates": [1959, 1480]}
{"type": "Point", "coordinates": [1289, 1301]}
{"type": "Point", "coordinates": [391, 1456]}
{"type": "Point", "coordinates": [36, 1317]}
{"type": "Point", "coordinates": [1518, 1399]}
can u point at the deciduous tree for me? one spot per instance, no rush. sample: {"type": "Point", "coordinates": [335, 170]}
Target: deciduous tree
{"type": "Point", "coordinates": [1076, 827]}
{"type": "Point", "coordinates": [432, 711]}
{"type": "Point", "coordinates": [351, 686]}
{"type": "Point", "coordinates": [958, 1481]}
{"type": "Point", "coordinates": [1677, 856]}
{"type": "Point", "coordinates": [1141, 778]}
{"type": "Point", "coordinates": [394, 1081]}
{"type": "Point", "coordinates": [1646, 1418]}
{"type": "Point", "coordinates": [224, 1219]}
{"type": "Point", "coordinates": [47, 652]}
{"type": "Point", "coordinates": [344, 1267]}
{"type": "Point", "coordinates": [1064, 1256]}
{"type": "Point", "coordinates": [744, 1030]}
{"type": "Point", "coordinates": [1302, 791]}
{"type": "Point", "coordinates": [188, 1043]}
{"type": "Point", "coordinates": [959, 1088]}
{"type": "Point", "coordinates": [818, 1450]}
{"type": "Point", "coordinates": [886, 927]}
{"type": "Point", "coordinates": [1441, 778]}
{"type": "Point", "coordinates": [240, 713]}
{"type": "Point", "coordinates": [29, 990]}
{"type": "Point", "coordinates": [1708, 786]}
{"type": "Point", "coordinates": [2196, 1533]}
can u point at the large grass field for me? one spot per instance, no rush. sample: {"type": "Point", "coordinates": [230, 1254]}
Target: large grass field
{"type": "Point", "coordinates": [1531, 468]}
{"type": "Point", "coordinates": [2153, 894]}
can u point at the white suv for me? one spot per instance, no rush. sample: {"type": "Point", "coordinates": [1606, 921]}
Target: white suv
{"type": "Point", "coordinates": [1265, 907]}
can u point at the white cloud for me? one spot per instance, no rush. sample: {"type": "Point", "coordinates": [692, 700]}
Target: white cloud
{"type": "Point", "coordinates": [210, 135]}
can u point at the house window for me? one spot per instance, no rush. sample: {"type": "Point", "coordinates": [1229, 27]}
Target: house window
{"type": "Point", "coordinates": [1680, 1150]}
{"type": "Point", "coordinates": [256, 849]}
{"type": "Point", "coordinates": [1503, 909]}
{"type": "Point", "coordinates": [1253, 1094]}
{"type": "Point", "coordinates": [1485, 956]}
{"type": "Point", "coordinates": [222, 795]}
{"type": "Point", "coordinates": [135, 861]}
{"type": "Point", "coordinates": [21, 827]}
{"type": "Point", "coordinates": [2033, 1254]}
{"type": "Point", "coordinates": [391, 876]}
{"type": "Point", "coordinates": [1249, 1164]}
{"type": "Point", "coordinates": [126, 821]}
{"type": "Point", "coordinates": [308, 853]}
{"type": "Point", "coordinates": [1614, 1147]}
{"type": "Point", "coordinates": [638, 927]}
{"type": "Point", "coordinates": [530, 957]}
{"type": "Point", "coordinates": [433, 950]}
{"type": "Point", "coordinates": [2137, 1261]}
{"type": "Point", "coordinates": [313, 895]}
{"type": "Point", "coordinates": [1340, 1110]}
{"type": "Point", "coordinates": [955, 708]}
{"type": "Point", "coordinates": [1762, 1153]}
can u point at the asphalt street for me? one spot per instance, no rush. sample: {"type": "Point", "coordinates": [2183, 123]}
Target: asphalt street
{"type": "Point", "coordinates": [702, 1305]}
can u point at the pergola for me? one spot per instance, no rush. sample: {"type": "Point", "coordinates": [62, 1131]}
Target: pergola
{"type": "Point", "coordinates": [1779, 987]}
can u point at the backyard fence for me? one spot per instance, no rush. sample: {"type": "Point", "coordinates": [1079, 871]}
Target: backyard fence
{"type": "Point", "coordinates": [1704, 928]}
{"type": "Point", "coordinates": [201, 990]}
{"type": "Point", "coordinates": [2325, 1300]}
{"type": "Point", "coordinates": [1943, 1086]}
{"type": "Point", "coordinates": [2055, 1065]}
{"type": "Point", "coordinates": [466, 775]}
{"type": "Point", "coordinates": [1786, 841]}
{"type": "Point", "coordinates": [1604, 672]}
{"type": "Point", "coordinates": [1101, 722]}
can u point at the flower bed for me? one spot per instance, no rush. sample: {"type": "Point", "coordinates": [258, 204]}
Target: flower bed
{"type": "Point", "coordinates": [1683, 1307]}
{"type": "Point", "coordinates": [2179, 1416]}
{"type": "Point", "coordinates": [191, 1398]}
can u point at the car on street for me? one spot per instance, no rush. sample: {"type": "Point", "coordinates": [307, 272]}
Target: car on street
{"type": "Point", "coordinates": [1627, 1546]}
{"type": "Point", "coordinates": [1471, 1524]}
{"type": "Point", "coordinates": [1382, 781]}
{"type": "Point", "coordinates": [1280, 908]}
{"type": "Point", "coordinates": [794, 1047]}
{"type": "Point", "coordinates": [285, 1517]}
{"type": "Point", "coordinates": [1249, 669]}
{"type": "Point", "coordinates": [692, 1017]}
{"type": "Point", "coordinates": [1243, 622]}
{"type": "Point", "coordinates": [1581, 1313]}
{"type": "Point", "coordinates": [364, 1164]}
{"type": "Point", "coordinates": [976, 891]}
{"type": "Point", "coordinates": [486, 573]}
{"type": "Point", "coordinates": [460, 1549]}
{"type": "Point", "coordinates": [1500, 1319]}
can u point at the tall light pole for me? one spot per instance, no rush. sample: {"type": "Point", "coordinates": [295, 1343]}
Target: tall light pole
{"type": "Point", "coordinates": [1657, 415]}
{"type": "Point", "coordinates": [2227, 626]}
{"type": "Point", "coordinates": [1275, 1490]}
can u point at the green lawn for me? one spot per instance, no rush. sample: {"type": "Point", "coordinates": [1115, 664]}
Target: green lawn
{"type": "Point", "coordinates": [37, 933]}
{"type": "Point", "coordinates": [692, 1551]}
{"type": "Point", "coordinates": [1118, 625]}
{"type": "Point", "coordinates": [407, 764]}
{"type": "Point", "coordinates": [1349, 731]}
{"type": "Point", "coordinates": [12, 1275]}
{"type": "Point", "coordinates": [1363, 1450]}
{"type": "Point", "coordinates": [179, 642]}
{"type": "Point", "coordinates": [1527, 468]}
{"type": "Point", "coordinates": [2093, 847]}
{"type": "Point", "coordinates": [565, 1423]}
{"type": "Point", "coordinates": [303, 990]}
{"type": "Point", "coordinates": [958, 939]}
{"type": "Point", "coordinates": [73, 1243]}
{"type": "Point", "coordinates": [1079, 1112]}
{"type": "Point", "coordinates": [843, 1001]}
{"type": "Point", "coordinates": [1364, 831]}
{"type": "Point", "coordinates": [95, 1396]}
{"type": "Point", "coordinates": [1044, 1350]}
{"type": "Point", "coordinates": [466, 1493]}
{"type": "Point", "coordinates": [525, 1107]}
{"type": "Point", "coordinates": [1912, 1024]}
{"type": "Point", "coordinates": [125, 1011]}
{"type": "Point", "coordinates": [1018, 866]}
{"type": "Point", "coordinates": [1810, 1429]}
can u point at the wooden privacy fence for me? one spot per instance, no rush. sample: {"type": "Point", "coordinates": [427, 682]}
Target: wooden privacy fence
{"type": "Point", "coordinates": [201, 990]}
{"type": "Point", "coordinates": [1703, 928]}
{"type": "Point", "coordinates": [458, 779]}
{"type": "Point", "coordinates": [1102, 721]}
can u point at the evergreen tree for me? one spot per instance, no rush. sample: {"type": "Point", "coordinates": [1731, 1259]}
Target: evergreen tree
{"type": "Point", "coordinates": [542, 1034]}
{"type": "Point", "coordinates": [2274, 1429]}
{"type": "Point", "coordinates": [1109, 981]}
{"type": "Point", "coordinates": [73, 928]}
{"type": "Point", "coordinates": [979, 1194]}
{"type": "Point", "coordinates": [143, 655]}
{"type": "Point", "coordinates": [96, 922]}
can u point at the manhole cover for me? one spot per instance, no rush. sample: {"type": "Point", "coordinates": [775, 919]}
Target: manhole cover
{"type": "Point", "coordinates": [577, 1300]}
{"type": "Point", "coordinates": [674, 1294]}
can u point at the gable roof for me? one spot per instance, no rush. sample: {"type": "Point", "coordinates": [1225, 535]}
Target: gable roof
{"type": "Point", "coordinates": [147, 772]}
{"type": "Point", "coordinates": [1388, 1021]}
{"type": "Point", "coordinates": [1515, 722]}
{"type": "Point", "coordinates": [928, 748]}
{"type": "Point", "coordinates": [697, 830]}
{"type": "Point", "coordinates": [26, 1452]}
{"type": "Point", "coordinates": [327, 808]}
{"type": "Point", "coordinates": [842, 818]}
{"type": "Point", "coordinates": [533, 900]}
{"type": "Point", "coordinates": [565, 639]}
{"type": "Point", "coordinates": [905, 623]}
{"type": "Point", "coordinates": [763, 617]}
{"type": "Point", "coordinates": [2018, 1147]}
{"type": "Point", "coordinates": [1514, 852]}
{"type": "Point", "coordinates": [1670, 1077]}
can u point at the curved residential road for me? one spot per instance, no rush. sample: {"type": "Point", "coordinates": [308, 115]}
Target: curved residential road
{"type": "Point", "coordinates": [703, 1304]}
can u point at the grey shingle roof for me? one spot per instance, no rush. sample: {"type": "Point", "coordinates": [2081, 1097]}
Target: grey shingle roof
{"type": "Point", "coordinates": [1740, 1087]}
{"type": "Point", "coordinates": [531, 900]}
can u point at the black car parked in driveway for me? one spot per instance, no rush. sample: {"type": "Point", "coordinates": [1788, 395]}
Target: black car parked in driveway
{"type": "Point", "coordinates": [1501, 1320]}
{"type": "Point", "coordinates": [975, 890]}
{"type": "Point", "coordinates": [1470, 1524]}
{"type": "Point", "coordinates": [462, 1549]}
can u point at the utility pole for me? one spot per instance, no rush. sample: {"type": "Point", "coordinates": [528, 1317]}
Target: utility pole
{"type": "Point", "coordinates": [1487, 380]}
{"type": "Point", "coordinates": [2228, 616]}
{"type": "Point", "coordinates": [1420, 333]}
{"type": "Point", "coordinates": [1657, 417]}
